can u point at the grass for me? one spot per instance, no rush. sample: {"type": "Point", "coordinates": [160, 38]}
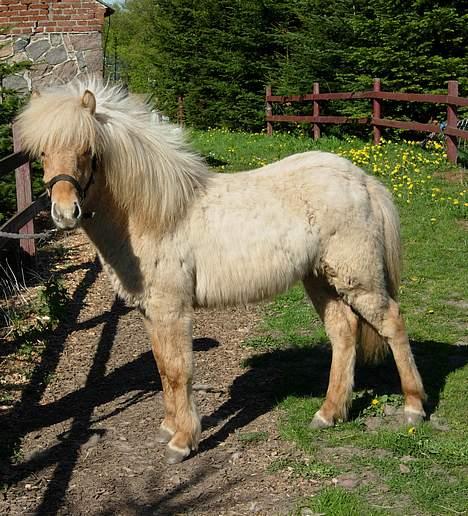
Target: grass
{"type": "Point", "coordinates": [335, 501]}
{"type": "Point", "coordinates": [413, 471]}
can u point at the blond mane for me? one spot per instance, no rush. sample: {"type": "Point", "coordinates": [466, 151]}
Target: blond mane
{"type": "Point", "coordinates": [148, 167]}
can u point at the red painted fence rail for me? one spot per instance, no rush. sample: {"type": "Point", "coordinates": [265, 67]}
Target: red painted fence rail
{"type": "Point", "coordinates": [22, 221]}
{"type": "Point", "coordinates": [452, 100]}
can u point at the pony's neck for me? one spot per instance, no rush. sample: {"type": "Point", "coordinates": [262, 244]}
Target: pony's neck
{"type": "Point", "coordinates": [112, 233]}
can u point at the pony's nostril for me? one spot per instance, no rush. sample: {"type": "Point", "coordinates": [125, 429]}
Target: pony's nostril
{"type": "Point", "coordinates": [55, 213]}
{"type": "Point", "coordinates": [77, 211]}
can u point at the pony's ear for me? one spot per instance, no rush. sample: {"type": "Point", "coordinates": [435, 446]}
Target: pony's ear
{"type": "Point", "coordinates": [35, 94]}
{"type": "Point", "coordinates": [88, 101]}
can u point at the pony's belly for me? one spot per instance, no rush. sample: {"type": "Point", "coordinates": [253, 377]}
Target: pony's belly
{"type": "Point", "coordinates": [222, 281]}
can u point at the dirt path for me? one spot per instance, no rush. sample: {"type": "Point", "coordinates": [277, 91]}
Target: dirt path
{"type": "Point", "coordinates": [87, 422]}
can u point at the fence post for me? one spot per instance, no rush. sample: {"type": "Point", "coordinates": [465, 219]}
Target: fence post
{"type": "Point", "coordinates": [180, 110]}
{"type": "Point", "coordinates": [377, 112]}
{"type": "Point", "coordinates": [316, 111]}
{"type": "Point", "coordinates": [452, 122]}
{"type": "Point", "coordinates": [268, 110]}
{"type": "Point", "coordinates": [24, 197]}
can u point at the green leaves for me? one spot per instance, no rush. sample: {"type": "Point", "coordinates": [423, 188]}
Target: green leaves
{"type": "Point", "coordinates": [219, 55]}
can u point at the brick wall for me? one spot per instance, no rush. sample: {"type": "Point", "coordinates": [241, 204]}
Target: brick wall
{"type": "Point", "coordinates": [38, 16]}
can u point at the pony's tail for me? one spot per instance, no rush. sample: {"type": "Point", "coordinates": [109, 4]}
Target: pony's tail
{"type": "Point", "coordinates": [373, 347]}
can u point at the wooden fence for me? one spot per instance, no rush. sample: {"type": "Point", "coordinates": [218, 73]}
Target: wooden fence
{"type": "Point", "coordinates": [27, 209]}
{"type": "Point", "coordinates": [452, 100]}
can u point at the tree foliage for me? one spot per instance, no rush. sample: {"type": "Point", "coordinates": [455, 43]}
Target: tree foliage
{"type": "Point", "coordinates": [10, 102]}
{"type": "Point", "coordinates": [219, 55]}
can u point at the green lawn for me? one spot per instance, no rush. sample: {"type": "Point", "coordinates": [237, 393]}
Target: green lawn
{"type": "Point", "coordinates": [397, 470]}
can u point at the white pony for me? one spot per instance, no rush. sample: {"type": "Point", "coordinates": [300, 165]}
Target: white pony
{"type": "Point", "coordinates": [172, 235]}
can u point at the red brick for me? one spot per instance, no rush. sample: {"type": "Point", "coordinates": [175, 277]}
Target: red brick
{"type": "Point", "coordinates": [36, 12]}
{"type": "Point", "coordinates": [47, 24]}
{"type": "Point", "coordinates": [14, 19]}
{"type": "Point", "coordinates": [17, 7]}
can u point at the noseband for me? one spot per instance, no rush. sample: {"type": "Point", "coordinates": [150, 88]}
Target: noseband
{"type": "Point", "coordinates": [70, 179]}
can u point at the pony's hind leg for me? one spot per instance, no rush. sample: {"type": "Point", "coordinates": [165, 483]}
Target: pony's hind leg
{"type": "Point", "coordinates": [172, 348]}
{"type": "Point", "coordinates": [383, 313]}
{"type": "Point", "coordinates": [341, 325]}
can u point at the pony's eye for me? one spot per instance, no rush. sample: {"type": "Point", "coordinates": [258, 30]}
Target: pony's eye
{"type": "Point", "coordinates": [42, 154]}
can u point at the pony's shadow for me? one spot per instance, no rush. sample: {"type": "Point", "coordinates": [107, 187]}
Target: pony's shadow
{"type": "Point", "coordinates": [275, 375]}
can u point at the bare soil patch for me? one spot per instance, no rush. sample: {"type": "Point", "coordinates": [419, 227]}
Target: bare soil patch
{"type": "Point", "coordinates": [457, 176]}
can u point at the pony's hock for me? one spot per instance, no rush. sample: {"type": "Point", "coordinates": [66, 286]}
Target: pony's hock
{"type": "Point", "coordinates": [171, 235]}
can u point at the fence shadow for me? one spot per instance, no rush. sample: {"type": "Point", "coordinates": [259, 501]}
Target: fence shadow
{"type": "Point", "coordinates": [66, 456]}
{"type": "Point", "coordinates": [139, 375]}
{"type": "Point", "coordinates": [12, 427]}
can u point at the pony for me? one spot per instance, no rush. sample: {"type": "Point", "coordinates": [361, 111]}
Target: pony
{"type": "Point", "coordinates": [173, 236]}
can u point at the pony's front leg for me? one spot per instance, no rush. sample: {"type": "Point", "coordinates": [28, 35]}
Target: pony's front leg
{"type": "Point", "coordinates": [172, 348]}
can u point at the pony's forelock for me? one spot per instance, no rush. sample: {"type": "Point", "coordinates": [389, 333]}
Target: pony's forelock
{"type": "Point", "coordinates": [55, 120]}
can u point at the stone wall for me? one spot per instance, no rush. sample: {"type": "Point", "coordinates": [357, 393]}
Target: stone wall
{"type": "Point", "coordinates": [57, 57]}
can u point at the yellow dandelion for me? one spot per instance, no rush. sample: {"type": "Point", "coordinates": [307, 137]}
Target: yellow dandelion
{"type": "Point", "coordinates": [375, 402]}
{"type": "Point", "coordinates": [411, 430]}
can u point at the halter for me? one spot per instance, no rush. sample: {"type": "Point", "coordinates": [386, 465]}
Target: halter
{"type": "Point", "coordinates": [70, 179]}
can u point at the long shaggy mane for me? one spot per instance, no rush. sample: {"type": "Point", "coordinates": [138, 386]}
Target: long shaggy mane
{"type": "Point", "coordinates": [148, 166]}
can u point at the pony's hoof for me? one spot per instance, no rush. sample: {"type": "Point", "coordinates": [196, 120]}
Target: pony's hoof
{"type": "Point", "coordinates": [176, 455]}
{"type": "Point", "coordinates": [319, 422]}
{"type": "Point", "coordinates": [414, 418]}
{"type": "Point", "coordinates": [164, 435]}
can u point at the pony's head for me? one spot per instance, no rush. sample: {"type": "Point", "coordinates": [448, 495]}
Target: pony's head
{"type": "Point", "coordinates": [146, 168]}
{"type": "Point", "coordinates": [63, 135]}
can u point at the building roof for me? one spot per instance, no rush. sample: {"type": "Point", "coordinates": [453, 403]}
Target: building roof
{"type": "Point", "coordinates": [109, 9]}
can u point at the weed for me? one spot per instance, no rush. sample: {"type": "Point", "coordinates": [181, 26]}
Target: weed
{"type": "Point", "coordinates": [252, 437]}
{"type": "Point", "coordinates": [379, 404]}
{"type": "Point", "coordinates": [28, 314]}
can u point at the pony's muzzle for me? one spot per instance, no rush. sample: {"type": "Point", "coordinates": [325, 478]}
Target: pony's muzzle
{"type": "Point", "coordinates": [66, 216]}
